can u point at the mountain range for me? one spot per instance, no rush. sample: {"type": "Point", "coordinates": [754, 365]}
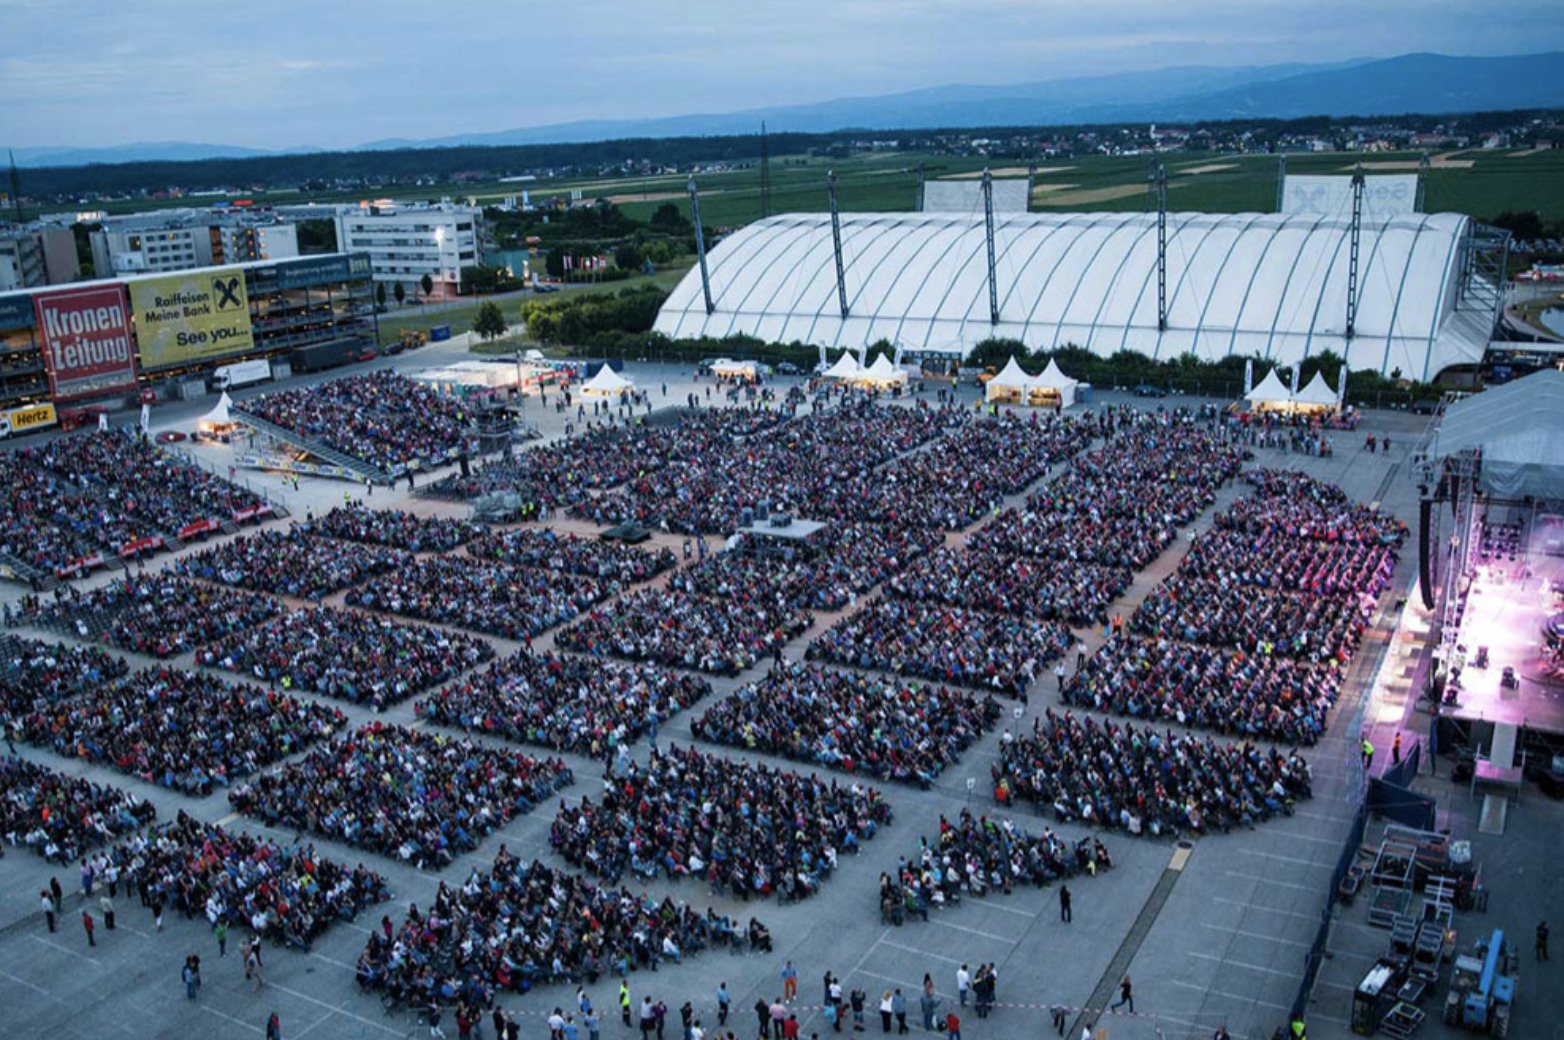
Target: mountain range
{"type": "Point", "coordinates": [1407, 84]}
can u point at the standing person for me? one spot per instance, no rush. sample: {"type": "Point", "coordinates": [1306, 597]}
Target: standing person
{"type": "Point", "coordinates": [1059, 674]}
{"type": "Point", "coordinates": [686, 1018]}
{"type": "Point", "coordinates": [723, 1003]}
{"type": "Point", "coordinates": [825, 994]}
{"type": "Point", "coordinates": [273, 1027]}
{"type": "Point", "coordinates": [157, 910]}
{"type": "Point", "coordinates": [858, 999]}
{"type": "Point", "coordinates": [86, 879]}
{"type": "Point", "coordinates": [1542, 940]}
{"type": "Point", "coordinates": [624, 1001]}
{"type": "Point", "coordinates": [86, 923]}
{"type": "Point", "coordinates": [1126, 996]}
{"type": "Point", "coordinates": [222, 936]}
{"type": "Point", "coordinates": [963, 984]}
{"type": "Point", "coordinates": [763, 1017]}
{"type": "Point", "coordinates": [885, 1012]}
{"type": "Point", "coordinates": [648, 1018]}
{"type": "Point", "coordinates": [660, 1012]}
{"type": "Point", "coordinates": [778, 1014]}
{"type": "Point", "coordinates": [833, 1017]}
{"type": "Point", "coordinates": [434, 1002]}
{"type": "Point", "coordinates": [106, 904]}
{"type": "Point", "coordinates": [58, 893]}
{"type": "Point", "coordinates": [926, 1004]}
{"type": "Point", "coordinates": [899, 1008]}
{"type": "Point", "coordinates": [192, 976]}
{"type": "Point", "coordinates": [952, 1026]}
{"type": "Point", "coordinates": [789, 981]}
{"type": "Point", "coordinates": [48, 909]}
{"type": "Point", "coordinates": [1064, 904]}
{"type": "Point", "coordinates": [1395, 750]}
{"type": "Point", "coordinates": [1368, 755]}
{"type": "Point", "coordinates": [594, 1024]}
{"type": "Point", "coordinates": [1057, 1011]}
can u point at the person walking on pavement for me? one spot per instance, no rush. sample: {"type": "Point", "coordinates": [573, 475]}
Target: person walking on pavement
{"type": "Point", "coordinates": [434, 1019]}
{"type": "Point", "coordinates": [222, 937]}
{"type": "Point", "coordinates": [1064, 904]}
{"type": "Point", "coordinates": [252, 969]}
{"type": "Point", "coordinates": [789, 982]}
{"type": "Point", "coordinates": [1057, 1011]}
{"type": "Point", "coordinates": [48, 909]}
{"type": "Point", "coordinates": [273, 1027]}
{"type": "Point", "coordinates": [899, 1009]}
{"type": "Point", "coordinates": [1368, 755]}
{"type": "Point", "coordinates": [1126, 996]}
{"type": "Point", "coordinates": [86, 923]}
{"type": "Point", "coordinates": [106, 904]}
{"type": "Point", "coordinates": [723, 1003]}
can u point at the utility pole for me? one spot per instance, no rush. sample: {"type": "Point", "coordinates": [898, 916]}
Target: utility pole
{"type": "Point", "coordinates": [836, 245]}
{"type": "Point", "coordinates": [700, 243]}
{"type": "Point", "coordinates": [765, 172]}
{"type": "Point", "coordinates": [1352, 260]}
{"type": "Point", "coordinates": [988, 224]}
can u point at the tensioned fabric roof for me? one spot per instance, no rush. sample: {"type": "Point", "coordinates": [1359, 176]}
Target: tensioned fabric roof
{"type": "Point", "coordinates": [1519, 428]}
{"type": "Point", "coordinates": [1237, 283]}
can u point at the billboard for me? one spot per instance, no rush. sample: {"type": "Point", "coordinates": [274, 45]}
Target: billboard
{"type": "Point", "coordinates": [965, 195]}
{"type": "Point", "coordinates": [191, 316]}
{"type": "Point", "coordinates": [1384, 196]}
{"type": "Point", "coordinates": [85, 337]}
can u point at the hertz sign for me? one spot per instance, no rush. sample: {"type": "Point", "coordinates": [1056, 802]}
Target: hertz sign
{"type": "Point", "coordinates": [192, 316]}
{"type": "Point", "coordinates": [86, 342]}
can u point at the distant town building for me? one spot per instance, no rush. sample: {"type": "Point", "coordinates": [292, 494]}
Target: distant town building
{"type": "Point", "coordinates": [178, 240]}
{"type": "Point", "coordinates": [31, 257]}
{"type": "Point", "coordinates": [406, 242]}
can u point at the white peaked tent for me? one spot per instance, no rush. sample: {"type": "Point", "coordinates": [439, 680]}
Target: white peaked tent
{"type": "Point", "coordinates": [1011, 384]}
{"type": "Point", "coordinates": [1053, 382]}
{"type": "Point", "coordinates": [1316, 395]}
{"type": "Point", "coordinates": [219, 418]}
{"type": "Point", "coordinates": [881, 374]}
{"type": "Point", "coordinates": [1271, 395]}
{"type": "Point", "coordinates": [607, 383]}
{"type": "Point", "coordinates": [846, 367]}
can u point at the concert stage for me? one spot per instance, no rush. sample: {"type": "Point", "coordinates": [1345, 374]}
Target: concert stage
{"type": "Point", "coordinates": [1515, 607]}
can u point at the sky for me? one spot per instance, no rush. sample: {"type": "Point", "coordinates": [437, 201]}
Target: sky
{"type": "Point", "coordinates": [336, 73]}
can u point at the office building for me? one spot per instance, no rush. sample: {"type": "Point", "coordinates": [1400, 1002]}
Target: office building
{"type": "Point", "coordinates": [406, 242]}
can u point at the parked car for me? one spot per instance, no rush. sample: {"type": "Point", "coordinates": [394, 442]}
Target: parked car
{"type": "Point", "coordinates": [1149, 390]}
{"type": "Point", "coordinates": [787, 368]}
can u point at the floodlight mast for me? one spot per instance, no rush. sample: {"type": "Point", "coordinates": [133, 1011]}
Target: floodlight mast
{"type": "Point", "coordinates": [700, 244]}
{"type": "Point", "coordinates": [836, 244]}
{"type": "Point", "coordinates": [1352, 258]}
{"type": "Point", "coordinates": [988, 226]}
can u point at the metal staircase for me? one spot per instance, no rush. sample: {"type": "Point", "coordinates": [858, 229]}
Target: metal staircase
{"type": "Point", "coordinates": [362, 470]}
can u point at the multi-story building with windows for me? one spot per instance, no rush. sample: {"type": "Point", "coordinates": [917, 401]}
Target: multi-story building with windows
{"type": "Point", "coordinates": [177, 240]}
{"type": "Point", "coordinates": [406, 242]}
{"type": "Point", "coordinates": [31, 257]}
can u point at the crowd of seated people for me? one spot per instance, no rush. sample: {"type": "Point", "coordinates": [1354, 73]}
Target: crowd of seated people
{"type": "Point", "coordinates": [519, 925]}
{"type": "Point", "coordinates": [36, 676]}
{"type": "Point", "coordinates": [963, 476]}
{"type": "Point", "coordinates": [396, 528]}
{"type": "Point", "coordinates": [588, 706]}
{"type": "Point", "coordinates": [817, 465]}
{"type": "Point", "coordinates": [1121, 504]}
{"type": "Point", "coordinates": [719, 636]}
{"type": "Point", "coordinates": [189, 731]}
{"type": "Point", "coordinates": [747, 829]}
{"type": "Point", "coordinates": [571, 554]}
{"type": "Point", "coordinates": [1256, 696]}
{"type": "Point", "coordinates": [977, 855]}
{"type": "Point", "coordinates": [997, 652]}
{"type": "Point", "coordinates": [383, 419]}
{"type": "Point", "coordinates": [345, 654]}
{"type": "Point", "coordinates": [293, 564]}
{"type": "Point", "coordinates": [287, 894]}
{"type": "Point", "coordinates": [1225, 612]}
{"type": "Point", "coordinates": [160, 615]}
{"type": "Point", "coordinates": [853, 722]}
{"type": "Point", "coordinates": [61, 817]}
{"type": "Point", "coordinates": [141, 489]}
{"type": "Point", "coordinates": [1053, 590]}
{"type": "Point", "coordinates": [838, 564]}
{"type": "Point", "coordinates": [1112, 774]}
{"type": "Point", "coordinates": [561, 473]}
{"type": "Point", "coordinates": [510, 602]}
{"type": "Point", "coordinates": [1312, 566]}
{"type": "Point", "coordinates": [422, 798]}
{"type": "Point", "coordinates": [46, 523]}
{"type": "Point", "coordinates": [1296, 505]}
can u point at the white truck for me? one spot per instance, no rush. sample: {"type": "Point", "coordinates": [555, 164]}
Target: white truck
{"type": "Point", "coordinates": [244, 373]}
